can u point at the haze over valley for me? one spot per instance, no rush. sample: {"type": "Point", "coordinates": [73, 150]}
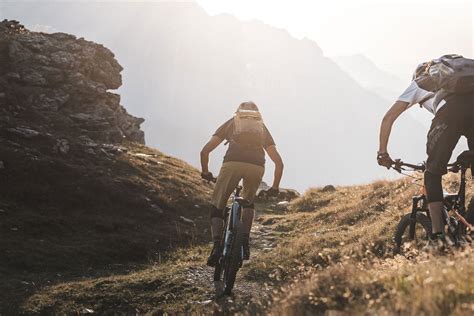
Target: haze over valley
{"type": "Point", "coordinates": [185, 72]}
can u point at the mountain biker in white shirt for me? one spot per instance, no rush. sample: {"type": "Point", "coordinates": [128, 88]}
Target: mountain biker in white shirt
{"type": "Point", "coordinates": [453, 118]}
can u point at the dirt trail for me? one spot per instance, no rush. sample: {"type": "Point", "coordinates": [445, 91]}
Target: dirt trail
{"type": "Point", "coordinates": [181, 283]}
{"type": "Point", "coordinates": [247, 294]}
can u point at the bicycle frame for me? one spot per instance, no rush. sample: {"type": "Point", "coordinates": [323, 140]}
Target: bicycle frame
{"type": "Point", "coordinates": [455, 203]}
{"type": "Point", "coordinates": [232, 218]}
{"type": "Point", "coordinates": [458, 204]}
{"type": "Point", "coordinates": [454, 211]}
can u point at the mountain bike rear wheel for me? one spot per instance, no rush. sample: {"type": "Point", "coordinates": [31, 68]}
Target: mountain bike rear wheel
{"type": "Point", "coordinates": [402, 233]}
{"type": "Point", "coordinates": [470, 212]}
{"type": "Point", "coordinates": [233, 261]}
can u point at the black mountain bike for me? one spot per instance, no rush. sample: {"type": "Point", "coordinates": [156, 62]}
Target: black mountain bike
{"type": "Point", "coordinates": [416, 226]}
{"type": "Point", "coordinates": [232, 239]}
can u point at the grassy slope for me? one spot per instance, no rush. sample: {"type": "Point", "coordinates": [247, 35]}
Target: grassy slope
{"type": "Point", "coordinates": [340, 258]}
{"type": "Point", "coordinates": [333, 252]}
{"type": "Point", "coordinates": [69, 217]}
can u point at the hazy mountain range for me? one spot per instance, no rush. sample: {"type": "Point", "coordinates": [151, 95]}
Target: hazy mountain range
{"type": "Point", "coordinates": [186, 72]}
{"type": "Point", "coordinates": [371, 77]}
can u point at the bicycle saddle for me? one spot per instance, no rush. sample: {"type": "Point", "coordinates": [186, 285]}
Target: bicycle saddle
{"type": "Point", "coordinates": [243, 202]}
{"type": "Point", "coordinates": [466, 158]}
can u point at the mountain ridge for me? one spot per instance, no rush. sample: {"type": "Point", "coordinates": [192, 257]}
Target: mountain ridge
{"type": "Point", "coordinates": [194, 69]}
{"type": "Point", "coordinates": [370, 76]}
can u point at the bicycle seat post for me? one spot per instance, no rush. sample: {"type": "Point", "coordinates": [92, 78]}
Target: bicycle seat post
{"type": "Point", "coordinates": [462, 188]}
{"type": "Point", "coordinates": [238, 189]}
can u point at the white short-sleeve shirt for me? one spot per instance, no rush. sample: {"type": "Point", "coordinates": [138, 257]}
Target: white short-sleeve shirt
{"type": "Point", "coordinates": [414, 94]}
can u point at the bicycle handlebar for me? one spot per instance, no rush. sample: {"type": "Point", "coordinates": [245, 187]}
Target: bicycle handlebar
{"type": "Point", "coordinates": [398, 165]}
{"type": "Point", "coordinates": [209, 179]}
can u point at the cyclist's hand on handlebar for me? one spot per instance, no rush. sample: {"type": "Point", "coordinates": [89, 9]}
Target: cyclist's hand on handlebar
{"type": "Point", "coordinates": [383, 159]}
{"type": "Point", "coordinates": [272, 192]}
{"type": "Point", "coordinates": [208, 176]}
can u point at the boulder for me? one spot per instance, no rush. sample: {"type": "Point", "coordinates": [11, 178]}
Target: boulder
{"type": "Point", "coordinates": [284, 195]}
{"type": "Point", "coordinates": [328, 188]}
{"type": "Point", "coordinates": [288, 194]}
{"type": "Point", "coordinates": [62, 84]}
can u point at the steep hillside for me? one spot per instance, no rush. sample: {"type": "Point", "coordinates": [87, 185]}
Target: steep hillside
{"type": "Point", "coordinates": [186, 72]}
{"type": "Point", "coordinates": [80, 194]}
{"type": "Point", "coordinates": [342, 254]}
{"type": "Point", "coordinates": [329, 251]}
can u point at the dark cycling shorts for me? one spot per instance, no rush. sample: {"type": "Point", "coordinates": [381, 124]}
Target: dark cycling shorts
{"type": "Point", "coordinates": [453, 120]}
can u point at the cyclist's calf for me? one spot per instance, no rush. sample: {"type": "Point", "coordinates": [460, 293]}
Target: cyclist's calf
{"type": "Point", "coordinates": [434, 188]}
{"type": "Point", "coordinates": [434, 195]}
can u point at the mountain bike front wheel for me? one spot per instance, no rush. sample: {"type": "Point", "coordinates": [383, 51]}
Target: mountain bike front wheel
{"type": "Point", "coordinates": [417, 233]}
{"type": "Point", "coordinates": [233, 261]}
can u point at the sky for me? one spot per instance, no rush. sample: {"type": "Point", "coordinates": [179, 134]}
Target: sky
{"type": "Point", "coordinates": [396, 35]}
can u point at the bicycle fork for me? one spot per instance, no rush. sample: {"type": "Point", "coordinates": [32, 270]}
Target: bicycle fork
{"type": "Point", "coordinates": [411, 229]}
{"type": "Point", "coordinates": [415, 209]}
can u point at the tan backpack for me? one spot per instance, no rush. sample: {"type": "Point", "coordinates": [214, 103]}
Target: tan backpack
{"type": "Point", "coordinates": [249, 130]}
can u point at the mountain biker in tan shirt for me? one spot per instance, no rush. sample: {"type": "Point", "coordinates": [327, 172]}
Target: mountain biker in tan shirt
{"type": "Point", "coordinates": [244, 160]}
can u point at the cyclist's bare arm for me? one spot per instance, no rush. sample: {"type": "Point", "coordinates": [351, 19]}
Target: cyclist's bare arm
{"type": "Point", "coordinates": [206, 150]}
{"type": "Point", "coordinates": [386, 127]}
{"type": "Point", "coordinates": [276, 158]}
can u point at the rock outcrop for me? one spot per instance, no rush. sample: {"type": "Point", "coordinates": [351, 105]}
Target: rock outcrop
{"type": "Point", "coordinates": [283, 195]}
{"type": "Point", "coordinates": [57, 86]}
{"type": "Point", "coordinates": [79, 192]}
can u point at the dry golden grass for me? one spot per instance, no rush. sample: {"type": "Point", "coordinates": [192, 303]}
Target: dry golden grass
{"type": "Point", "coordinates": [425, 286]}
{"type": "Point", "coordinates": [347, 222]}
{"type": "Point", "coordinates": [338, 258]}
{"type": "Point", "coordinates": [333, 254]}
